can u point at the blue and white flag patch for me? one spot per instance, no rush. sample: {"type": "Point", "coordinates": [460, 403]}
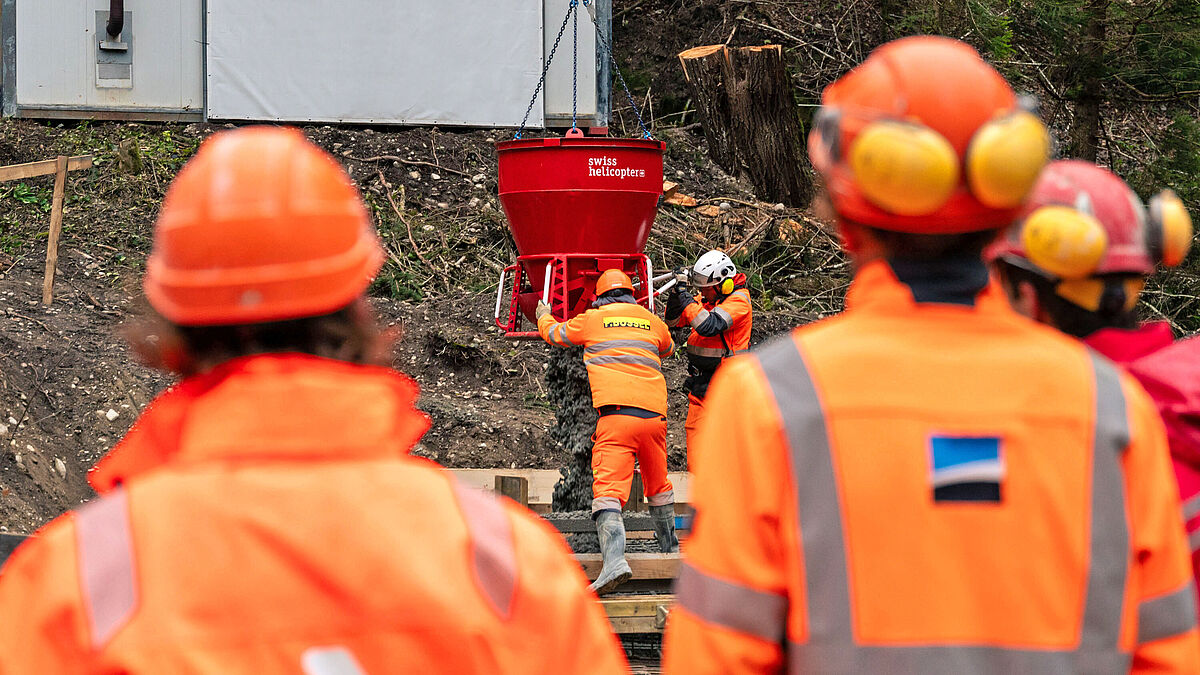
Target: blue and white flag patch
{"type": "Point", "coordinates": [966, 468]}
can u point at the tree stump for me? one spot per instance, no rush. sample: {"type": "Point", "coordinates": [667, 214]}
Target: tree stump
{"type": "Point", "coordinates": [704, 69]}
{"type": "Point", "coordinates": [744, 100]}
{"type": "Point", "coordinates": [766, 130]}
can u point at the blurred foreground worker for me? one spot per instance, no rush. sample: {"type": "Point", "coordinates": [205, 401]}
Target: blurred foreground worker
{"type": "Point", "coordinates": [1077, 260]}
{"type": "Point", "coordinates": [930, 482]}
{"type": "Point", "coordinates": [264, 516]}
{"type": "Point", "coordinates": [624, 344]}
{"type": "Point", "coordinates": [721, 319]}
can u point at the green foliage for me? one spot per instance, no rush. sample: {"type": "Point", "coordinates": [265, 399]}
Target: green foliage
{"type": "Point", "coordinates": [1176, 164]}
{"type": "Point", "coordinates": [993, 22]}
{"type": "Point", "coordinates": [29, 194]}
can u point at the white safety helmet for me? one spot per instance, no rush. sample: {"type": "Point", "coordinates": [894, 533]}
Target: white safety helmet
{"type": "Point", "coordinates": [712, 268]}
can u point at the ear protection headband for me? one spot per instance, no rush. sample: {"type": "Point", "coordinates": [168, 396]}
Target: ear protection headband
{"type": "Point", "coordinates": [909, 169]}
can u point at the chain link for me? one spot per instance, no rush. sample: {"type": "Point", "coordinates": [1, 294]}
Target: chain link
{"type": "Point", "coordinates": [542, 80]}
{"type": "Point", "coordinates": [617, 69]}
{"type": "Point", "coordinates": [575, 68]}
{"type": "Point", "coordinates": [573, 12]}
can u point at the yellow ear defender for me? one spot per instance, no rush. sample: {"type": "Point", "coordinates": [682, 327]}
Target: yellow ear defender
{"type": "Point", "coordinates": [1063, 241]}
{"type": "Point", "coordinates": [909, 169]}
{"type": "Point", "coordinates": [726, 286]}
{"type": "Point", "coordinates": [1170, 231]}
{"type": "Point", "coordinates": [1005, 157]}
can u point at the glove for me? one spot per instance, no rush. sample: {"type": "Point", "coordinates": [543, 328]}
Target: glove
{"type": "Point", "coordinates": [542, 309]}
{"type": "Point", "coordinates": [682, 278]}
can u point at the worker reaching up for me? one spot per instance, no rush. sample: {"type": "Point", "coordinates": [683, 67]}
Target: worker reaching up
{"type": "Point", "coordinates": [624, 344]}
{"type": "Point", "coordinates": [720, 317]}
{"type": "Point", "coordinates": [1077, 260]}
{"type": "Point", "coordinates": [930, 482]}
{"type": "Point", "coordinates": [264, 515]}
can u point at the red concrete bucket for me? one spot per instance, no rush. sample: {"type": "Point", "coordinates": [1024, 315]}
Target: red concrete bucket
{"type": "Point", "coordinates": [579, 195]}
{"type": "Point", "coordinates": [576, 207]}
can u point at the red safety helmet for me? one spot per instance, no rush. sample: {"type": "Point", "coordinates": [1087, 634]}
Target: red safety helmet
{"type": "Point", "coordinates": [1082, 222]}
{"type": "Point", "coordinates": [925, 137]}
{"type": "Point", "coordinates": [611, 280]}
{"type": "Point", "coordinates": [261, 225]}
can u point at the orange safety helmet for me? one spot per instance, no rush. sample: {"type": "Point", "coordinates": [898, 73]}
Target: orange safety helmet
{"type": "Point", "coordinates": [261, 225]}
{"type": "Point", "coordinates": [925, 137]}
{"type": "Point", "coordinates": [611, 280]}
{"type": "Point", "coordinates": [1082, 221]}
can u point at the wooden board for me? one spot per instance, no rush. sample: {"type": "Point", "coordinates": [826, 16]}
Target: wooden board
{"type": "Point", "coordinates": [541, 483]}
{"type": "Point", "coordinates": [8, 544]}
{"type": "Point", "coordinates": [42, 168]}
{"type": "Point", "coordinates": [644, 565]}
{"type": "Point", "coordinates": [637, 613]}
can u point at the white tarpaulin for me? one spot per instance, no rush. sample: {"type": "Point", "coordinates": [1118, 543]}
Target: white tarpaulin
{"type": "Point", "coordinates": [402, 61]}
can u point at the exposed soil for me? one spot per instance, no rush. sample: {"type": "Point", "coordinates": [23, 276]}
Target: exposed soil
{"type": "Point", "coordinates": [69, 388]}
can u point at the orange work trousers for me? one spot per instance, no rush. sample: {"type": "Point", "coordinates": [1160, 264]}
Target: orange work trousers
{"type": "Point", "coordinates": [690, 425]}
{"type": "Point", "coordinates": [619, 441]}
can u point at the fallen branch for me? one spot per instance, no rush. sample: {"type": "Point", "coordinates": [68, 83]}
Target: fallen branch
{"type": "Point", "coordinates": [408, 162]}
{"type": "Point", "coordinates": [387, 189]}
{"type": "Point", "coordinates": [758, 229]}
{"type": "Point", "coordinates": [787, 35]}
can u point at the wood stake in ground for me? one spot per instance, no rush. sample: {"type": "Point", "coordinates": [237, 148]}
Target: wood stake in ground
{"type": "Point", "coordinates": [56, 209]}
{"type": "Point", "coordinates": [59, 167]}
{"type": "Point", "coordinates": [744, 100]}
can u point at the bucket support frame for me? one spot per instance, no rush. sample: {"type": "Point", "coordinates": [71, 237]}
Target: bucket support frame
{"type": "Point", "coordinates": [561, 278]}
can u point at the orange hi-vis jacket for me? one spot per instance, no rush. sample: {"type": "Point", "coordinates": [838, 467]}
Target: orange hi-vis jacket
{"type": "Point", "coordinates": [931, 488]}
{"type": "Point", "coordinates": [267, 518]}
{"type": "Point", "coordinates": [624, 345]}
{"type": "Point", "coordinates": [735, 310]}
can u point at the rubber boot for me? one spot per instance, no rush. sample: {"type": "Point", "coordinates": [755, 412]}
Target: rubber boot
{"type": "Point", "coordinates": [664, 527]}
{"type": "Point", "coordinates": [610, 528]}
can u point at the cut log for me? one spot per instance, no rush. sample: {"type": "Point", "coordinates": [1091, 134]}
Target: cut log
{"type": "Point", "coordinates": [705, 70]}
{"type": "Point", "coordinates": [744, 100]}
{"type": "Point", "coordinates": [766, 130]}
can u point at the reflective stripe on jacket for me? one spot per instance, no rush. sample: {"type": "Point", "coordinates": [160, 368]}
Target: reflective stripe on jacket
{"type": "Point", "coordinates": [705, 352]}
{"type": "Point", "coordinates": [735, 311]}
{"type": "Point", "coordinates": [624, 345]}
{"type": "Point", "coordinates": [966, 491]}
{"type": "Point", "coordinates": [266, 518]}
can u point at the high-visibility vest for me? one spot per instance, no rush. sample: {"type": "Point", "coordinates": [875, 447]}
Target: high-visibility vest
{"type": "Point", "coordinates": [266, 518]}
{"type": "Point", "coordinates": [931, 488]}
{"type": "Point", "coordinates": [736, 310]}
{"type": "Point", "coordinates": [624, 345]}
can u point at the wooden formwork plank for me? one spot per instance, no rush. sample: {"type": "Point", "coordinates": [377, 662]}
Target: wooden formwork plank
{"type": "Point", "coordinates": [644, 565]}
{"type": "Point", "coordinates": [542, 481]}
{"type": "Point", "coordinates": [515, 488]}
{"type": "Point", "coordinates": [42, 168]}
{"type": "Point", "coordinates": [638, 613]}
